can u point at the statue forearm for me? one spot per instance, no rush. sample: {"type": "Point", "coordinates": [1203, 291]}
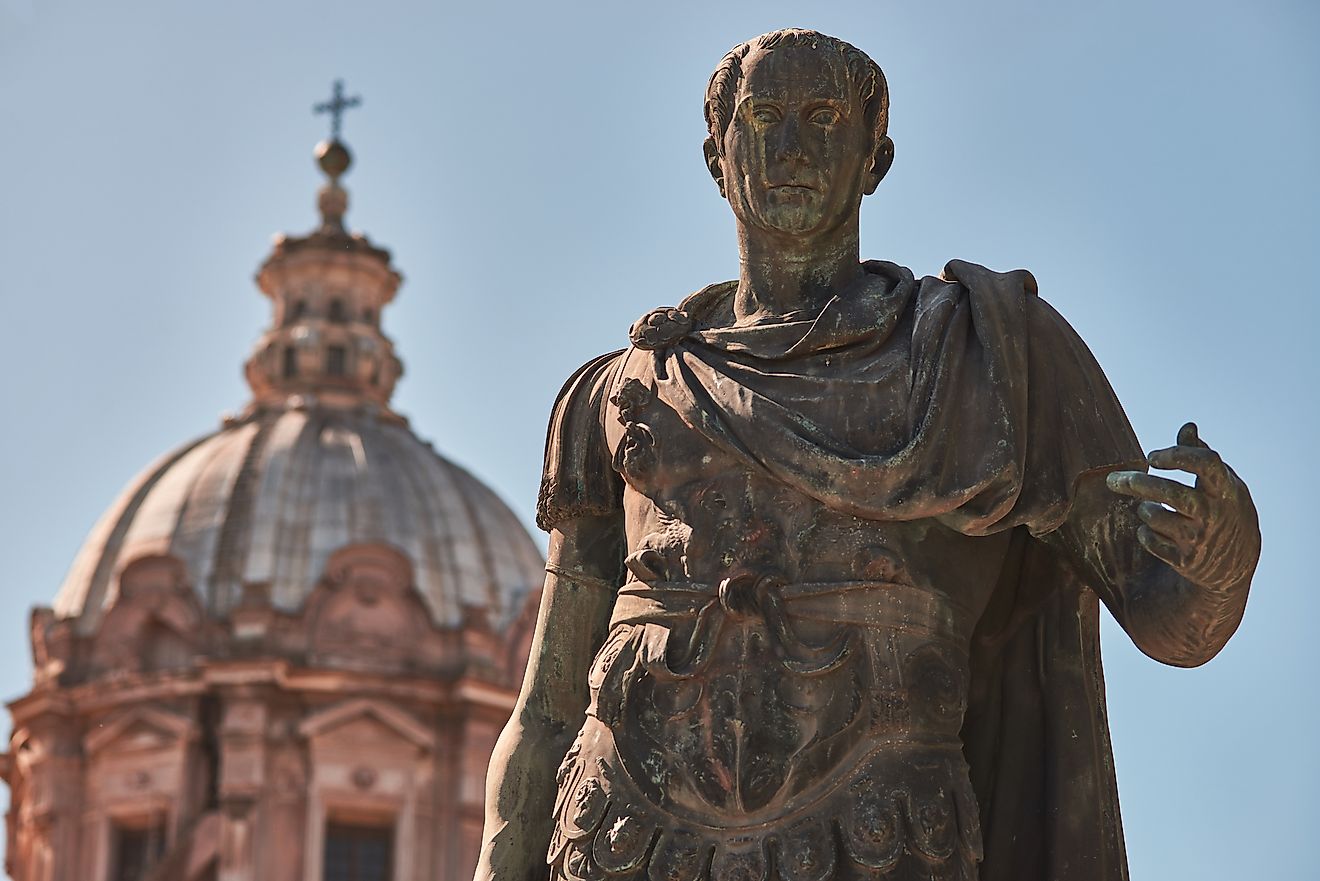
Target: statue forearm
{"type": "Point", "coordinates": [520, 795]}
{"type": "Point", "coordinates": [576, 603]}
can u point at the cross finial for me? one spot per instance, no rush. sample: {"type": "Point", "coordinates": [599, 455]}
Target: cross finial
{"type": "Point", "coordinates": [336, 107]}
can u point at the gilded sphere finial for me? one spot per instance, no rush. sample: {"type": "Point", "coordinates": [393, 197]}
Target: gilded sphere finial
{"type": "Point", "coordinates": [333, 157]}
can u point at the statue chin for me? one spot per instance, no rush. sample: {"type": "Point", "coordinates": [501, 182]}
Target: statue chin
{"type": "Point", "coordinates": [791, 218]}
{"type": "Point", "coordinates": [798, 212]}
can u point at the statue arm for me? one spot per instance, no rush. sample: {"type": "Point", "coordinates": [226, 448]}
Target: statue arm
{"type": "Point", "coordinates": [1175, 566]}
{"type": "Point", "coordinates": [570, 628]}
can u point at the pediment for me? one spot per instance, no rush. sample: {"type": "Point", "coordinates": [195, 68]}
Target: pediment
{"type": "Point", "coordinates": [143, 729]}
{"type": "Point", "coordinates": [359, 721]}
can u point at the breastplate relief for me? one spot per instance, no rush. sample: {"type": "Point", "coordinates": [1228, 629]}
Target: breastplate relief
{"type": "Point", "coordinates": [758, 676]}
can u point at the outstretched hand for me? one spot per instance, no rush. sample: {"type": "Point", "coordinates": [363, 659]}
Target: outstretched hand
{"type": "Point", "coordinates": [1209, 532]}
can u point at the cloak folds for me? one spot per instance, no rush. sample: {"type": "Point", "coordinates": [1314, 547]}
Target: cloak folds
{"type": "Point", "coordinates": [963, 398]}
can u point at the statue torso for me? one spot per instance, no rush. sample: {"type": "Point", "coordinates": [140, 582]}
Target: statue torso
{"type": "Point", "coordinates": [778, 674]}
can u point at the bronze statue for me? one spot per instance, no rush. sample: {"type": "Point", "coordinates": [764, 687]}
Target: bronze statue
{"type": "Point", "coordinates": [826, 548]}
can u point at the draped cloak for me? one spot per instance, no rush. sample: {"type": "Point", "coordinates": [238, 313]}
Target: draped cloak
{"type": "Point", "coordinates": [1006, 414]}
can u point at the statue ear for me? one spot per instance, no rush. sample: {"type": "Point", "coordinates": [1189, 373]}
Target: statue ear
{"type": "Point", "coordinates": [881, 160]}
{"type": "Point", "coordinates": [712, 152]}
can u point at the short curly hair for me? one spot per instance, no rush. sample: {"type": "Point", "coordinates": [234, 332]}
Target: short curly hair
{"type": "Point", "coordinates": [864, 74]}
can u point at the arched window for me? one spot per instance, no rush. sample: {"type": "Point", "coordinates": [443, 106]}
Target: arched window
{"type": "Point", "coordinates": [336, 311]}
{"type": "Point", "coordinates": [290, 362]}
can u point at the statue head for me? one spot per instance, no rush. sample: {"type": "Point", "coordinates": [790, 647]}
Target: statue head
{"type": "Point", "coordinates": [798, 127]}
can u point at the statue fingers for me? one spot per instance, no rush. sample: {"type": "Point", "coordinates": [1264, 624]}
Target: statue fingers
{"type": "Point", "coordinates": [1182, 530]}
{"type": "Point", "coordinates": [1189, 436]}
{"type": "Point", "coordinates": [1202, 461]}
{"type": "Point", "coordinates": [1160, 546]}
{"type": "Point", "coordinates": [1148, 487]}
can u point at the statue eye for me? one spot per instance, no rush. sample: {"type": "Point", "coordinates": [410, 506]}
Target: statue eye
{"type": "Point", "coordinates": [766, 115]}
{"type": "Point", "coordinates": [824, 116]}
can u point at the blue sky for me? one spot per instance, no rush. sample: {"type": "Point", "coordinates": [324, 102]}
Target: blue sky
{"type": "Point", "coordinates": [536, 169]}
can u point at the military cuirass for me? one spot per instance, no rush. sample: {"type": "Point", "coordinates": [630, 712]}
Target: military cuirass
{"type": "Point", "coordinates": [782, 687]}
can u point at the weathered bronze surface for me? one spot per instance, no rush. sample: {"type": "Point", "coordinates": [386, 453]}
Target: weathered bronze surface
{"type": "Point", "coordinates": [826, 548]}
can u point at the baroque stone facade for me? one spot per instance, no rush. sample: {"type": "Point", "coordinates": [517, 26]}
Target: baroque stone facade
{"type": "Point", "coordinates": [285, 653]}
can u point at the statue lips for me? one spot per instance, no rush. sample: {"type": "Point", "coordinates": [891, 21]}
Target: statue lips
{"type": "Point", "coordinates": [790, 192]}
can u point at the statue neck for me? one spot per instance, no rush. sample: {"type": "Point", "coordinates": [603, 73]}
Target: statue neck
{"type": "Point", "coordinates": [781, 275]}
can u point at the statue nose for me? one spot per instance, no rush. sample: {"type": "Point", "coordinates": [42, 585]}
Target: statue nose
{"type": "Point", "coordinates": [788, 144]}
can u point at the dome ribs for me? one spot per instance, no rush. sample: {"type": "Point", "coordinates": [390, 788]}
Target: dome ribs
{"type": "Point", "coordinates": [271, 505]}
{"type": "Point", "coordinates": [232, 546]}
{"type": "Point", "coordinates": [493, 600]}
{"type": "Point", "coordinates": [435, 540]}
{"type": "Point", "coordinates": [201, 511]}
{"type": "Point", "coordinates": [293, 573]}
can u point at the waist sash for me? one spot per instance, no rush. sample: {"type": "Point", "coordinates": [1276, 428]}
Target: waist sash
{"type": "Point", "coordinates": [872, 604]}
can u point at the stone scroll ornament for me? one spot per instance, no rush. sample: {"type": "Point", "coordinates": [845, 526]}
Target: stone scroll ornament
{"type": "Point", "coordinates": [828, 547]}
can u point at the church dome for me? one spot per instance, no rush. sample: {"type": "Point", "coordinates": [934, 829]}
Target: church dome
{"type": "Point", "coordinates": [317, 462]}
{"type": "Point", "coordinates": [287, 649]}
{"type": "Point", "coordinates": [269, 498]}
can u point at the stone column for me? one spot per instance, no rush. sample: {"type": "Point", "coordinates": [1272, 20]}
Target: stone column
{"type": "Point", "coordinates": [242, 744]}
{"type": "Point", "coordinates": [280, 851]}
{"type": "Point", "coordinates": [47, 803]}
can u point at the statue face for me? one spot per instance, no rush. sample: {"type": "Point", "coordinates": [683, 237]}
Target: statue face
{"type": "Point", "coordinates": [798, 150]}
